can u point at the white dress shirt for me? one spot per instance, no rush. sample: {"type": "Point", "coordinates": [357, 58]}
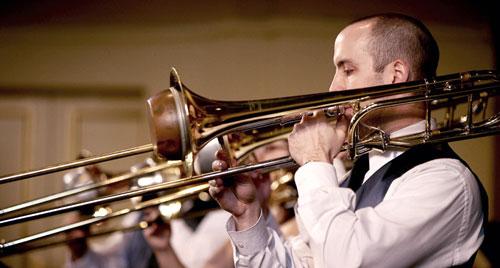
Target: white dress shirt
{"type": "Point", "coordinates": [193, 247]}
{"type": "Point", "coordinates": [430, 217]}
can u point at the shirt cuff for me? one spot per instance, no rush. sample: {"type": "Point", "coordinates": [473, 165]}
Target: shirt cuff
{"type": "Point", "coordinates": [324, 176]}
{"type": "Point", "coordinates": [251, 240]}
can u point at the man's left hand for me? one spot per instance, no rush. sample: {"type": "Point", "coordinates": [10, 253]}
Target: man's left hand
{"type": "Point", "coordinates": [315, 139]}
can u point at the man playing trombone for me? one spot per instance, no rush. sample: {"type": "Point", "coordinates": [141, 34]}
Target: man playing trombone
{"type": "Point", "coordinates": [421, 207]}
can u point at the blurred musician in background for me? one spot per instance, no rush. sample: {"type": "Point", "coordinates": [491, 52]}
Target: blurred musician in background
{"type": "Point", "coordinates": [82, 176]}
{"type": "Point", "coordinates": [141, 248]}
{"type": "Point", "coordinates": [165, 242]}
{"type": "Point", "coordinates": [119, 249]}
{"type": "Point", "coordinates": [176, 242]}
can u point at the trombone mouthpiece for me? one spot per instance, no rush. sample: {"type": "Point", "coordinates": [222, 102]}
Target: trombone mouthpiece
{"type": "Point", "coordinates": [331, 112]}
{"type": "Point", "coordinates": [334, 111]}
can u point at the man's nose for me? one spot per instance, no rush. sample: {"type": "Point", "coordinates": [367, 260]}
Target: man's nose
{"type": "Point", "coordinates": [336, 85]}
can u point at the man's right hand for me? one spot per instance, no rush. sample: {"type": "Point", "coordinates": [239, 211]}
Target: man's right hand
{"type": "Point", "coordinates": [238, 195]}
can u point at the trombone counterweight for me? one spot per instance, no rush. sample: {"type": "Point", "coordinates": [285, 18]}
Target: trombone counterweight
{"type": "Point", "coordinates": [78, 163]}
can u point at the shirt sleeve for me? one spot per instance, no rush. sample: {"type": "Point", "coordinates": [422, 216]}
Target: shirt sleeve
{"type": "Point", "coordinates": [428, 214]}
{"type": "Point", "coordinates": [263, 246]}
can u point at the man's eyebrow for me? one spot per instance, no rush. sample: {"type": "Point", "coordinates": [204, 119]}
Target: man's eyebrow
{"type": "Point", "coordinates": [342, 62]}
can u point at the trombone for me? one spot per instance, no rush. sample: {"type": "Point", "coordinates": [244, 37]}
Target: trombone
{"type": "Point", "coordinates": [78, 163]}
{"type": "Point", "coordinates": [182, 123]}
{"type": "Point", "coordinates": [89, 187]}
{"type": "Point", "coordinates": [169, 205]}
{"type": "Point", "coordinates": [22, 248]}
{"type": "Point", "coordinates": [18, 245]}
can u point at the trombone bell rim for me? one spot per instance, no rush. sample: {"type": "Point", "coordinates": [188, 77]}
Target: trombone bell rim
{"type": "Point", "coordinates": [169, 121]}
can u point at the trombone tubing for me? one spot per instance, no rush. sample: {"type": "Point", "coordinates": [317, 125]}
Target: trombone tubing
{"type": "Point", "coordinates": [85, 188]}
{"type": "Point", "coordinates": [153, 202]}
{"type": "Point", "coordinates": [19, 249]}
{"type": "Point", "coordinates": [272, 164]}
{"type": "Point", "coordinates": [78, 163]}
{"type": "Point", "coordinates": [22, 248]}
{"type": "Point", "coordinates": [427, 96]}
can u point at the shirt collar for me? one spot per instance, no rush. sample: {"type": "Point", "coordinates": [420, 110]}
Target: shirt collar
{"type": "Point", "coordinates": [378, 159]}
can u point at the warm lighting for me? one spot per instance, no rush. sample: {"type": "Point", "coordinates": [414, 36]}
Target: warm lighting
{"type": "Point", "coordinates": [150, 180]}
{"type": "Point", "coordinates": [143, 224]}
{"type": "Point", "coordinates": [170, 210]}
{"type": "Point", "coordinates": [204, 196]}
{"type": "Point", "coordinates": [101, 212]}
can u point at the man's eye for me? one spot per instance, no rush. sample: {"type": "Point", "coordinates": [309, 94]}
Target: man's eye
{"type": "Point", "coordinates": [348, 72]}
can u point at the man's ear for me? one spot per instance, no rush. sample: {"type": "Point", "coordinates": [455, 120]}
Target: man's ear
{"type": "Point", "coordinates": [397, 71]}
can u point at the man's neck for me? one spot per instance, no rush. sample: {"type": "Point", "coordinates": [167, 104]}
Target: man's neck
{"type": "Point", "coordinates": [396, 118]}
{"type": "Point", "coordinates": [400, 123]}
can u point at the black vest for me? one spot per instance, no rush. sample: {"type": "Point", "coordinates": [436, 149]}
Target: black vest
{"type": "Point", "coordinates": [372, 192]}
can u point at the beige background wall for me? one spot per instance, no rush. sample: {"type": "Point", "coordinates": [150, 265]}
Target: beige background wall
{"type": "Point", "coordinates": [228, 58]}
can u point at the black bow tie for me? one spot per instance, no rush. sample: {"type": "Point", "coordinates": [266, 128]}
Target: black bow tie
{"type": "Point", "coordinates": [359, 169]}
